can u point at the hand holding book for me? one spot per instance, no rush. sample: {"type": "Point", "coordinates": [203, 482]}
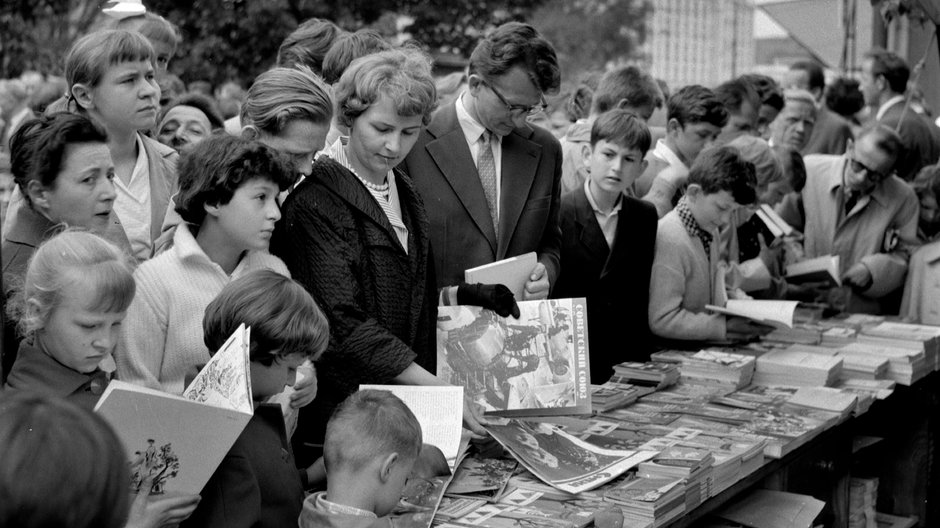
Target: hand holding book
{"type": "Point", "coordinates": [744, 329]}
{"type": "Point", "coordinates": [496, 297]}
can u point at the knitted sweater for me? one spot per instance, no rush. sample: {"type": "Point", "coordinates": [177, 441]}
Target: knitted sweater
{"type": "Point", "coordinates": [682, 282]}
{"type": "Point", "coordinates": [161, 339]}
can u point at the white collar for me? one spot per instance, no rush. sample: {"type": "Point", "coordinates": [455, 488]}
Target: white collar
{"type": "Point", "coordinates": [590, 198]}
{"type": "Point", "coordinates": [883, 109]}
{"type": "Point", "coordinates": [472, 129]}
{"type": "Point", "coordinates": [666, 154]}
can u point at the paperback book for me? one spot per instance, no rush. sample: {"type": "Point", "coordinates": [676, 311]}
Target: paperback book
{"type": "Point", "coordinates": [535, 365]}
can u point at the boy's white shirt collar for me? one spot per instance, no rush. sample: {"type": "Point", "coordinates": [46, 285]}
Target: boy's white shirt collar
{"type": "Point", "coordinates": [666, 154]}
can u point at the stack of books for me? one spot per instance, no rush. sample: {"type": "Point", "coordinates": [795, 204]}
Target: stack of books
{"type": "Point", "coordinates": [711, 367]}
{"type": "Point", "coordinates": [611, 396]}
{"type": "Point", "coordinates": [797, 368]}
{"type": "Point", "coordinates": [784, 431]}
{"type": "Point", "coordinates": [839, 336]}
{"type": "Point", "coordinates": [652, 373]}
{"type": "Point", "coordinates": [648, 501]}
{"type": "Point", "coordinates": [905, 365]}
{"type": "Point", "coordinates": [693, 465]}
{"type": "Point", "coordinates": [801, 333]}
{"type": "Point", "coordinates": [903, 335]}
{"type": "Point", "coordinates": [858, 366]}
{"type": "Point", "coordinates": [877, 389]}
{"type": "Point", "coordinates": [827, 399]}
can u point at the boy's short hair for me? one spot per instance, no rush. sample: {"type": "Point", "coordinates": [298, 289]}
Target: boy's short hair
{"type": "Point", "coordinates": [768, 90]}
{"type": "Point", "coordinates": [628, 83]}
{"type": "Point", "coordinates": [403, 75]}
{"type": "Point", "coordinates": [734, 93]}
{"type": "Point", "coordinates": [283, 317]}
{"type": "Point", "coordinates": [517, 44]}
{"type": "Point", "coordinates": [348, 48]}
{"type": "Point", "coordinates": [308, 44]}
{"type": "Point", "coordinates": [844, 97]}
{"type": "Point", "coordinates": [815, 77]}
{"type": "Point", "coordinates": [38, 147]}
{"type": "Point", "coordinates": [368, 425]}
{"type": "Point", "coordinates": [153, 27]}
{"type": "Point", "coordinates": [50, 444]}
{"type": "Point", "coordinates": [211, 170]}
{"type": "Point", "coordinates": [723, 169]}
{"type": "Point", "coordinates": [793, 166]}
{"type": "Point", "coordinates": [696, 104]}
{"type": "Point", "coordinates": [622, 128]}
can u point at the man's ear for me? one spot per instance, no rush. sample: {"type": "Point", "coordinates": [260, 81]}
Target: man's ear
{"type": "Point", "coordinates": [673, 126]}
{"type": "Point", "coordinates": [622, 103]}
{"type": "Point", "coordinates": [644, 164]}
{"type": "Point", "coordinates": [474, 83]}
{"type": "Point", "coordinates": [694, 191]}
{"type": "Point", "coordinates": [586, 151]}
{"type": "Point", "coordinates": [37, 194]}
{"type": "Point", "coordinates": [251, 132]}
{"type": "Point", "coordinates": [385, 470]}
{"type": "Point", "coordinates": [83, 96]}
{"type": "Point", "coordinates": [211, 209]}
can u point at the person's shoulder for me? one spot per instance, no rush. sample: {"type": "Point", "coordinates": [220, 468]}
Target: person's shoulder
{"type": "Point", "coordinates": [571, 201]}
{"type": "Point", "coordinates": [543, 137]}
{"type": "Point", "coordinates": [895, 186]}
{"type": "Point", "coordinates": [154, 147]}
{"type": "Point", "coordinates": [640, 208]}
{"type": "Point", "coordinates": [265, 260]}
{"type": "Point", "coordinates": [670, 227]}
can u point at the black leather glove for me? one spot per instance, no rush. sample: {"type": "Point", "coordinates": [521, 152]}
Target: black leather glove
{"type": "Point", "coordinates": [496, 297]}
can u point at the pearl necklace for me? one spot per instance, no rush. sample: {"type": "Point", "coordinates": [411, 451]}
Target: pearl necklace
{"type": "Point", "coordinates": [383, 188]}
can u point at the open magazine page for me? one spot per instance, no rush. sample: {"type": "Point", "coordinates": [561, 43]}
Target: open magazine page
{"type": "Point", "coordinates": [534, 365]}
{"type": "Point", "coordinates": [225, 380]}
{"type": "Point", "coordinates": [419, 502]}
{"type": "Point", "coordinates": [562, 460]}
{"type": "Point", "coordinates": [439, 410]}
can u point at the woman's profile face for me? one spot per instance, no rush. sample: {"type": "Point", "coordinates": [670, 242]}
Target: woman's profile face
{"type": "Point", "coordinates": [380, 138]}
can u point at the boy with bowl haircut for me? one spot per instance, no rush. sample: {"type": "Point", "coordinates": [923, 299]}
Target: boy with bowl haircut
{"type": "Point", "coordinates": [607, 249]}
{"type": "Point", "coordinates": [686, 275]}
{"type": "Point", "coordinates": [371, 445]}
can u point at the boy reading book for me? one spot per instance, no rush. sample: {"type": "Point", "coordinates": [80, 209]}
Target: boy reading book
{"type": "Point", "coordinates": [607, 250]}
{"type": "Point", "coordinates": [921, 300]}
{"type": "Point", "coordinates": [686, 275]}
{"type": "Point", "coordinates": [257, 483]}
{"type": "Point", "coordinates": [372, 443]}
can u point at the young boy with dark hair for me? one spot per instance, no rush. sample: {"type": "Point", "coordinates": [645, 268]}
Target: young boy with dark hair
{"type": "Point", "coordinates": [695, 118]}
{"type": "Point", "coordinates": [372, 443]}
{"type": "Point", "coordinates": [686, 275]}
{"type": "Point", "coordinates": [607, 250]}
{"type": "Point", "coordinates": [257, 484]}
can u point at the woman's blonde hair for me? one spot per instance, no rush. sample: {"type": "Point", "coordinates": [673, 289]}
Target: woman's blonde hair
{"type": "Point", "coordinates": [73, 257]}
{"type": "Point", "coordinates": [91, 56]}
{"type": "Point", "coordinates": [403, 75]}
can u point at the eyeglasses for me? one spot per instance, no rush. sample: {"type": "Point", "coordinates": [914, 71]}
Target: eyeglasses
{"type": "Point", "coordinates": [872, 175]}
{"type": "Point", "coordinates": [516, 108]}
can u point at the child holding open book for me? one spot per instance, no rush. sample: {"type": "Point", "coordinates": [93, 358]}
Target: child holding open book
{"type": "Point", "coordinates": [257, 484]}
{"type": "Point", "coordinates": [372, 443]}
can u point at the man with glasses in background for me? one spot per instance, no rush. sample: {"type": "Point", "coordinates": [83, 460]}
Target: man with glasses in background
{"type": "Point", "coordinates": [490, 181]}
{"type": "Point", "coordinates": [854, 206]}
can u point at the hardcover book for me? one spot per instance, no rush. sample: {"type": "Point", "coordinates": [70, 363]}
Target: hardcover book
{"type": "Point", "coordinates": [180, 440]}
{"type": "Point", "coordinates": [512, 272]}
{"type": "Point", "coordinates": [535, 365]}
{"type": "Point", "coordinates": [819, 269]}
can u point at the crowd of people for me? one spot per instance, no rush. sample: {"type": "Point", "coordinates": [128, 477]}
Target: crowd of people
{"type": "Point", "coordinates": [340, 203]}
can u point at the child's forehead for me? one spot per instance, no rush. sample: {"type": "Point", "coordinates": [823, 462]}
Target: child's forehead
{"type": "Point", "coordinates": [621, 148]}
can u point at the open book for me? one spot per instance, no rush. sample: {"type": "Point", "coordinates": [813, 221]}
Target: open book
{"type": "Point", "coordinates": [512, 272]}
{"type": "Point", "coordinates": [819, 269]}
{"type": "Point", "coordinates": [778, 314]}
{"type": "Point", "coordinates": [439, 410]}
{"type": "Point", "coordinates": [180, 440]}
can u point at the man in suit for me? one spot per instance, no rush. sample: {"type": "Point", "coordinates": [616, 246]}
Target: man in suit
{"type": "Point", "coordinates": [883, 83]}
{"type": "Point", "coordinates": [490, 182]}
{"type": "Point", "coordinates": [831, 131]}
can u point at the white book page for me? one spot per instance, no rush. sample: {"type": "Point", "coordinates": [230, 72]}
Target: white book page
{"type": "Point", "coordinates": [439, 410]}
{"type": "Point", "coordinates": [225, 380]}
{"type": "Point", "coordinates": [512, 272]}
{"type": "Point", "coordinates": [775, 313]}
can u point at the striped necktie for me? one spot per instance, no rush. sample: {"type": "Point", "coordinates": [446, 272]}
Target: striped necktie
{"type": "Point", "coordinates": [486, 167]}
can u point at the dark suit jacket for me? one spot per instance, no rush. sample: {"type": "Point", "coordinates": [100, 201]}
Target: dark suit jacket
{"type": "Point", "coordinates": [830, 134]}
{"type": "Point", "coordinates": [462, 233]}
{"type": "Point", "coordinates": [920, 143]}
{"type": "Point", "coordinates": [614, 280]}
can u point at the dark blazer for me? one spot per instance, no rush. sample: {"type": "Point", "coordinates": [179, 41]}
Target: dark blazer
{"type": "Point", "coordinates": [257, 484]}
{"type": "Point", "coordinates": [37, 372]}
{"type": "Point", "coordinates": [380, 301]}
{"type": "Point", "coordinates": [920, 143]}
{"type": "Point", "coordinates": [462, 234]}
{"type": "Point", "coordinates": [830, 134]}
{"type": "Point", "coordinates": [614, 280]}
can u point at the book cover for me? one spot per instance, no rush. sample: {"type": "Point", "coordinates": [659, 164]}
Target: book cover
{"type": "Point", "coordinates": [778, 314]}
{"type": "Point", "coordinates": [180, 440]}
{"type": "Point", "coordinates": [535, 365]}
{"type": "Point", "coordinates": [482, 478]}
{"type": "Point", "coordinates": [512, 272]}
{"type": "Point", "coordinates": [767, 214]}
{"type": "Point", "coordinates": [819, 269]}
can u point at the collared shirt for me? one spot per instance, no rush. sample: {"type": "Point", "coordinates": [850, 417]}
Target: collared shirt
{"type": "Point", "coordinates": [666, 154]}
{"type": "Point", "coordinates": [341, 509]}
{"type": "Point", "coordinates": [607, 221]}
{"type": "Point", "coordinates": [691, 225]}
{"type": "Point", "coordinates": [472, 130]}
{"type": "Point", "coordinates": [390, 204]}
{"type": "Point", "coordinates": [883, 109]}
{"type": "Point", "coordinates": [132, 205]}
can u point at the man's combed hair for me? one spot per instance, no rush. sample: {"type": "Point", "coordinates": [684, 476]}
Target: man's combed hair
{"type": "Point", "coordinates": [280, 96]}
{"type": "Point", "coordinates": [284, 319]}
{"type": "Point", "coordinates": [696, 104]}
{"type": "Point", "coordinates": [517, 44]}
{"type": "Point", "coordinates": [308, 44]}
{"type": "Point", "coordinates": [768, 90]}
{"type": "Point", "coordinates": [369, 425]}
{"type": "Point", "coordinates": [348, 48]}
{"type": "Point", "coordinates": [890, 66]}
{"type": "Point", "coordinates": [816, 78]}
{"type": "Point", "coordinates": [198, 101]}
{"type": "Point", "coordinates": [723, 169]}
{"type": "Point", "coordinates": [211, 171]}
{"type": "Point", "coordinates": [629, 84]}
{"type": "Point", "coordinates": [734, 93]}
{"type": "Point", "coordinates": [622, 128]}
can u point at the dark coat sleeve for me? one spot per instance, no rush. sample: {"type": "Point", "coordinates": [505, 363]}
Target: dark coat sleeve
{"type": "Point", "coordinates": [549, 250]}
{"type": "Point", "coordinates": [231, 498]}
